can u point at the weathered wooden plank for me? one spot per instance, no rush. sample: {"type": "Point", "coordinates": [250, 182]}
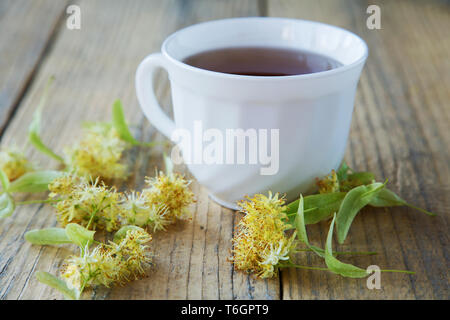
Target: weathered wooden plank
{"type": "Point", "coordinates": [27, 28]}
{"type": "Point", "coordinates": [94, 66]}
{"type": "Point", "coordinates": [400, 132]}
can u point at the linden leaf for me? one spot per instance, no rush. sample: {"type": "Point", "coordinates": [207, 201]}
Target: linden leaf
{"type": "Point", "coordinates": [388, 198]}
{"type": "Point", "coordinates": [318, 207]}
{"type": "Point", "coordinates": [36, 181]}
{"type": "Point", "coordinates": [79, 235]}
{"type": "Point", "coordinates": [353, 202]}
{"type": "Point", "coordinates": [58, 284]}
{"type": "Point", "coordinates": [35, 127]}
{"type": "Point", "coordinates": [342, 171]}
{"type": "Point", "coordinates": [7, 205]}
{"type": "Point", "coordinates": [356, 179]}
{"type": "Point", "coordinates": [119, 123]}
{"type": "Point", "coordinates": [4, 180]}
{"type": "Point", "coordinates": [300, 226]}
{"type": "Point", "coordinates": [336, 266]}
{"type": "Point", "coordinates": [48, 236]}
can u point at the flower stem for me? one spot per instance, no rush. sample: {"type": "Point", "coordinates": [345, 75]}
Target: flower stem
{"type": "Point", "coordinates": [420, 209]}
{"type": "Point", "coordinates": [292, 265]}
{"type": "Point", "coordinates": [370, 253]}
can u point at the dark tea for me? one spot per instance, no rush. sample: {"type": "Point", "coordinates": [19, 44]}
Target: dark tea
{"type": "Point", "coordinates": [261, 61]}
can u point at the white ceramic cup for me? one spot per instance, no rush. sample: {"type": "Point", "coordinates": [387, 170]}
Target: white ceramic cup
{"type": "Point", "coordinates": [312, 111]}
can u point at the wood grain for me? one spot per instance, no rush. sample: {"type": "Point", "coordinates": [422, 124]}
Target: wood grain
{"type": "Point", "coordinates": [399, 131]}
{"type": "Point", "coordinates": [94, 66]}
{"type": "Point", "coordinates": [26, 34]}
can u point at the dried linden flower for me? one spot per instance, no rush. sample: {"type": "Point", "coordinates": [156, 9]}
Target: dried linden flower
{"type": "Point", "coordinates": [107, 264]}
{"type": "Point", "coordinates": [99, 153]}
{"type": "Point", "coordinates": [260, 242]}
{"type": "Point", "coordinates": [139, 211]}
{"type": "Point", "coordinates": [172, 191]}
{"type": "Point", "coordinates": [14, 163]}
{"type": "Point", "coordinates": [329, 183]}
{"type": "Point", "coordinates": [91, 204]}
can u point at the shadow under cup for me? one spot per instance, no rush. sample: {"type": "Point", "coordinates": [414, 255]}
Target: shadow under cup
{"type": "Point", "coordinates": [311, 112]}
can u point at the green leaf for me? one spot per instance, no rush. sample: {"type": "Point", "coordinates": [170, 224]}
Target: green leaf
{"type": "Point", "coordinates": [48, 236]}
{"type": "Point", "coordinates": [119, 123]}
{"type": "Point", "coordinates": [79, 235]}
{"type": "Point", "coordinates": [36, 181]}
{"type": "Point", "coordinates": [354, 201]}
{"type": "Point", "coordinates": [34, 130]}
{"type": "Point", "coordinates": [388, 198]}
{"type": "Point", "coordinates": [122, 232]}
{"type": "Point", "coordinates": [4, 180]}
{"type": "Point", "coordinates": [342, 171]}
{"type": "Point", "coordinates": [7, 205]}
{"type": "Point", "coordinates": [300, 226]}
{"type": "Point", "coordinates": [357, 179]}
{"type": "Point", "coordinates": [363, 177]}
{"type": "Point", "coordinates": [336, 266]}
{"type": "Point", "coordinates": [58, 284]}
{"type": "Point", "coordinates": [317, 207]}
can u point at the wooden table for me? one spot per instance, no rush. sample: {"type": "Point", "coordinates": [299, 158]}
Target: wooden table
{"type": "Point", "coordinates": [400, 131]}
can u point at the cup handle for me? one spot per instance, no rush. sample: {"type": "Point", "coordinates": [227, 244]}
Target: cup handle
{"type": "Point", "coordinates": [145, 75]}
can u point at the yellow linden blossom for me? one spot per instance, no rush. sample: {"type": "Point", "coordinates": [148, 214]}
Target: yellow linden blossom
{"type": "Point", "coordinates": [14, 163]}
{"type": "Point", "coordinates": [134, 254]}
{"type": "Point", "coordinates": [115, 262]}
{"type": "Point", "coordinates": [139, 211]}
{"type": "Point", "coordinates": [172, 191]}
{"type": "Point", "coordinates": [65, 185]}
{"type": "Point", "coordinates": [91, 204]}
{"type": "Point", "coordinates": [329, 183]}
{"type": "Point", "coordinates": [260, 242]}
{"type": "Point", "coordinates": [99, 153]}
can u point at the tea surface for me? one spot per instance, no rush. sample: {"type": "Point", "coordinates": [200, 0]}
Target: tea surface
{"type": "Point", "coordinates": [261, 61]}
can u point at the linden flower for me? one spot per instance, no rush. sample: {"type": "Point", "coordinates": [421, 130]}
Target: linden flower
{"type": "Point", "coordinates": [116, 262]}
{"type": "Point", "coordinates": [65, 184]}
{"type": "Point", "coordinates": [14, 163]}
{"type": "Point", "coordinates": [89, 203]}
{"type": "Point", "coordinates": [171, 191]}
{"type": "Point", "coordinates": [139, 211]}
{"type": "Point", "coordinates": [260, 241]}
{"type": "Point", "coordinates": [134, 254]}
{"type": "Point", "coordinates": [329, 183]}
{"type": "Point", "coordinates": [273, 256]}
{"type": "Point", "coordinates": [99, 153]}
{"type": "Point", "coordinates": [77, 272]}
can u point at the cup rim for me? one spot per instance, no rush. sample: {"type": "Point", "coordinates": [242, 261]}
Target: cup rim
{"type": "Point", "coordinates": [320, 74]}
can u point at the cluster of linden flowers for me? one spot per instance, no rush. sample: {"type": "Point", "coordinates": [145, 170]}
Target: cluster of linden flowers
{"type": "Point", "coordinates": [98, 153]}
{"type": "Point", "coordinates": [90, 204]}
{"type": "Point", "coordinates": [329, 183]}
{"type": "Point", "coordinates": [14, 163]}
{"type": "Point", "coordinates": [344, 180]}
{"type": "Point", "coordinates": [95, 206]}
{"type": "Point", "coordinates": [118, 261]}
{"type": "Point", "coordinates": [166, 198]}
{"type": "Point", "coordinates": [261, 244]}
